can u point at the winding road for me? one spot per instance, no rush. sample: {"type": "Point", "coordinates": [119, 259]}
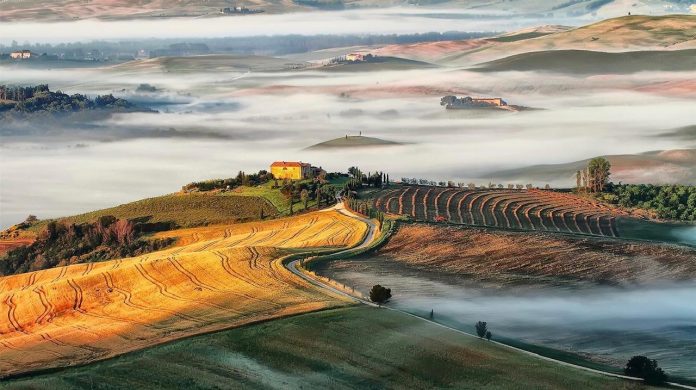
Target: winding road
{"type": "Point", "coordinates": [369, 238]}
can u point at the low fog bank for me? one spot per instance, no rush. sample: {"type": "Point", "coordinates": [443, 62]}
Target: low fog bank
{"type": "Point", "coordinates": [212, 124]}
{"type": "Point", "coordinates": [610, 324]}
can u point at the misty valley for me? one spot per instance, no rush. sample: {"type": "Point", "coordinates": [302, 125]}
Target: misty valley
{"type": "Point", "coordinates": [347, 194]}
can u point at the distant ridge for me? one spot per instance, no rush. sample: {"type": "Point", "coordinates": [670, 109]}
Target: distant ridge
{"type": "Point", "coordinates": [353, 141]}
{"type": "Point", "coordinates": [595, 62]}
{"type": "Point", "coordinates": [657, 167]}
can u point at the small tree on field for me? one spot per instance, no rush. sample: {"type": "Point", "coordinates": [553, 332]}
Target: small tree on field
{"type": "Point", "coordinates": [379, 294]}
{"type": "Point", "coordinates": [489, 335]}
{"type": "Point", "coordinates": [642, 367]}
{"type": "Point", "coordinates": [598, 173]}
{"type": "Point", "coordinates": [481, 328]}
{"type": "Point", "coordinates": [304, 196]}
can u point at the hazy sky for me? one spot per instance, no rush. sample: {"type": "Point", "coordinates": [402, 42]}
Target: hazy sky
{"type": "Point", "coordinates": [373, 21]}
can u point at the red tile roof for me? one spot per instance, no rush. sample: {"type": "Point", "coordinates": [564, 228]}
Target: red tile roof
{"type": "Point", "coordinates": [286, 164]}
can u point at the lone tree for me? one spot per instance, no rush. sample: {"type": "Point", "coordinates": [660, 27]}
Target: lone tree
{"type": "Point", "coordinates": [642, 367]}
{"type": "Point", "coordinates": [379, 294]}
{"type": "Point", "coordinates": [598, 172]}
{"type": "Point", "coordinates": [489, 335]}
{"type": "Point", "coordinates": [481, 329]}
{"type": "Point", "coordinates": [304, 197]}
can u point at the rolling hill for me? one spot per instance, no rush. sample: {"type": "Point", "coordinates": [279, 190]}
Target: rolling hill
{"type": "Point", "coordinates": [335, 349]}
{"type": "Point", "coordinates": [209, 63]}
{"type": "Point", "coordinates": [627, 33]}
{"type": "Point", "coordinates": [181, 210]}
{"type": "Point", "coordinates": [215, 278]}
{"type": "Point", "coordinates": [351, 142]}
{"type": "Point", "coordinates": [658, 167]}
{"type": "Point", "coordinates": [594, 62]}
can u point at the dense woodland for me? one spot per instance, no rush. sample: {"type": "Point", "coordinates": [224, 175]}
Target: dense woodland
{"type": "Point", "coordinates": [676, 202]}
{"type": "Point", "coordinates": [19, 101]}
{"type": "Point", "coordinates": [62, 244]}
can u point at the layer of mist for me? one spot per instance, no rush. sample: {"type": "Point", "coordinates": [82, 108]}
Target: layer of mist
{"type": "Point", "coordinates": [247, 119]}
{"type": "Point", "coordinates": [609, 325]}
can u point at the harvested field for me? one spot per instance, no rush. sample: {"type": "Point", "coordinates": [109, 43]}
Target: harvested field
{"type": "Point", "coordinates": [505, 258]}
{"type": "Point", "coordinates": [506, 209]}
{"type": "Point", "coordinates": [215, 278]}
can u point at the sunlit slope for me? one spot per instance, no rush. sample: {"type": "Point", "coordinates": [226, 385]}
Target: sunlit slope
{"type": "Point", "coordinates": [628, 33]}
{"type": "Point", "coordinates": [216, 278]}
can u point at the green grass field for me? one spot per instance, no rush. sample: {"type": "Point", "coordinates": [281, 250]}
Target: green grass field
{"type": "Point", "coordinates": [356, 347]}
{"type": "Point", "coordinates": [278, 200]}
{"type": "Point", "coordinates": [184, 210]}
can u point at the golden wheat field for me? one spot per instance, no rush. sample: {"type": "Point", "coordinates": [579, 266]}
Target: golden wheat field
{"type": "Point", "coordinates": [216, 277]}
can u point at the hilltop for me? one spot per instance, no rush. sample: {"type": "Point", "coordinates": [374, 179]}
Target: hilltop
{"type": "Point", "coordinates": [353, 141]}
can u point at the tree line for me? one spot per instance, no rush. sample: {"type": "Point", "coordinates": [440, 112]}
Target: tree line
{"type": "Point", "coordinates": [677, 202]}
{"type": "Point", "coordinates": [62, 243]}
{"type": "Point", "coordinates": [23, 100]}
{"type": "Point", "coordinates": [471, 186]}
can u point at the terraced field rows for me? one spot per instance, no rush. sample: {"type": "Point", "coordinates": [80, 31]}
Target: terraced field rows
{"type": "Point", "coordinates": [217, 277]}
{"type": "Point", "coordinates": [511, 209]}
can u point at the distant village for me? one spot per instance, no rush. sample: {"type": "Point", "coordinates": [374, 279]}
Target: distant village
{"type": "Point", "coordinates": [352, 58]}
{"type": "Point", "coordinates": [238, 10]}
{"type": "Point", "coordinates": [97, 55]}
{"type": "Point", "coordinates": [452, 102]}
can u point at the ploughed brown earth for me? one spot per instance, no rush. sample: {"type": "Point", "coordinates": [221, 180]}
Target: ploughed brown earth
{"type": "Point", "coordinates": [513, 258]}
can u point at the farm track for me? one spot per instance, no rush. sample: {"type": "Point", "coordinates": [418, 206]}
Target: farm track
{"type": "Point", "coordinates": [533, 210]}
{"type": "Point", "coordinates": [215, 277]}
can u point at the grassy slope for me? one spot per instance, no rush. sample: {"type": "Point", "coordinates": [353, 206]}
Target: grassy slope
{"type": "Point", "coordinates": [183, 210]}
{"type": "Point", "coordinates": [266, 191]}
{"type": "Point", "coordinates": [595, 62]}
{"type": "Point", "coordinates": [278, 200]}
{"type": "Point", "coordinates": [355, 347]}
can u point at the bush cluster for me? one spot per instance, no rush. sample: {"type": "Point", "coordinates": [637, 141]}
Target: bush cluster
{"type": "Point", "coordinates": [22, 100]}
{"type": "Point", "coordinates": [676, 202]}
{"type": "Point", "coordinates": [61, 244]}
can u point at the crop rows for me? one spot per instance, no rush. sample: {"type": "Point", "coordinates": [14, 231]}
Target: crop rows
{"type": "Point", "coordinates": [508, 209]}
{"type": "Point", "coordinates": [215, 277]}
